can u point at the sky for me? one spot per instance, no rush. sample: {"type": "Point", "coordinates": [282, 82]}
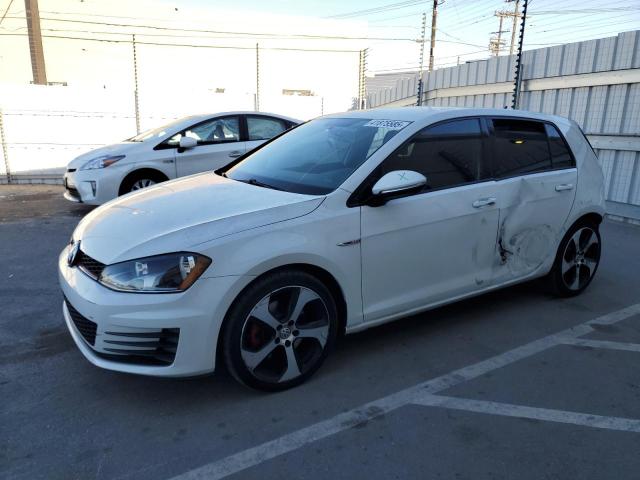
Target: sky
{"type": "Point", "coordinates": [468, 22]}
{"type": "Point", "coordinates": [393, 27]}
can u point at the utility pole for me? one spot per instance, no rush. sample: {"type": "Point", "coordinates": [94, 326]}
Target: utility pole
{"type": "Point", "coordinates": [35, 42]}
{"type": "Point", "coordinates": [518, 73]}
{"type": "Point", "coordinates": [496, 43]}
{"type": "Point", "coordinates": [135, 83]}
{"type": "Point", "coordinates": [257, 102]}
{"type": "Point", "coordinates": [434, 19]}
{"type": "Point", "coordinates": [516, 16]}
{"type": "Point", "coordinates": [421, 74]}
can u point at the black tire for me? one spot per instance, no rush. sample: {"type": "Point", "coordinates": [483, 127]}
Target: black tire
{"type": "Point", "coordinates": [568, 282]}
{"type": "Point", "coordinates": [243, 334]}
{"type": "Point", "coordinates": [127, 185]}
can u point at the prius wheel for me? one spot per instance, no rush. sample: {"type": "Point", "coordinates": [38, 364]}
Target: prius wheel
{"type": "Point", "coordinates": [280, 331]}
{"type": "Point", "coordinates": [140, 179]}
{"type": "Point", "coordinates": [577, 260]}
{"type": "Point", "coordinates": [142, 183]}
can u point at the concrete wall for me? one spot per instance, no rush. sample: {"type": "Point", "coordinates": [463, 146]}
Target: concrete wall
{"type": "Point", "coordinates": [596, 83]}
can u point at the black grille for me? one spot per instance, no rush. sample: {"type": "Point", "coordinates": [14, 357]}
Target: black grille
{"type": "Point", "coordinates": [88, 265]}
{"type": "Point", "coordinates": [73, 192]}
{"type": "Point", "coordinates": [147, 348]}
{"type": "Point", "coordinates": [85, 326]}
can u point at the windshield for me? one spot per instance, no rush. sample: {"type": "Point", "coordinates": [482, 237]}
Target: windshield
{"type": "Point", "coordinates": [317, 157]}
{"type": "Point", "coordinates": [158, 132]}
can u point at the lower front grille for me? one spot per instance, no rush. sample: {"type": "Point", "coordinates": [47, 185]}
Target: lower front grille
{"type": "Point", "coordinates": [86, 327]}
{"type": "Point", "coordinates": [146, 348]}
{"type": "Point", "coordinates": [74, 193]}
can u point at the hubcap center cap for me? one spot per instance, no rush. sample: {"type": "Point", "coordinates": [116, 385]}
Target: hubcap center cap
{"type": "Point", "coordinates": [285, 333]}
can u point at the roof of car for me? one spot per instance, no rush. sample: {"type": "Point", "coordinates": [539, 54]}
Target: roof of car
{"type": "Point", "coordinates": [413, 114]}
{"type": "Point", "coordinates": [205, 116]}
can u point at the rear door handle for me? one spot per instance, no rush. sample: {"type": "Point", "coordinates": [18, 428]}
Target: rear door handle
{"type": "Point", "coordinates": [564, 186]}
{"type": "Point", "coordinates": [235, 154]}
{"type": "Point", "coordinates": [484, 202]}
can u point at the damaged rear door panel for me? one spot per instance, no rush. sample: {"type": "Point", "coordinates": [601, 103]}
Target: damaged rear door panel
{"type": "Point", "coordinates": [537, 179]}
{"type": "Point", "coordinates": [532, 216]}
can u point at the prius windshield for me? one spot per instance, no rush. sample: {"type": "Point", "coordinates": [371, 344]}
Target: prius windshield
{"type": "Point", "coordinates": [158, 132]}
{"type": "Point", "coordinates": [316, 157]}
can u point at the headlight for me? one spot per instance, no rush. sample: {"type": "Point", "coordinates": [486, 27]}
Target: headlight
{"type": "Point", "coordinates": [101, 162]}
{"type": "Point", "coordinates": [174, 272]}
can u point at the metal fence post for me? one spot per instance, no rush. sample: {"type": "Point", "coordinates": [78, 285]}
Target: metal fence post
{"type": "Point", "coordinates": [517, 84]}
{"type": "Point", "coordinates": [135, 83]}
{"type": "Point", "coordinates": [257, 99]}
{"type": "Point", "coordinates": [5, 152]}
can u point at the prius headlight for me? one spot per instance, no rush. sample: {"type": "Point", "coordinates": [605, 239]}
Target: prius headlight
{"type": "Point", "coordinates": [102, 161]}
{"type": "Point", "coordinates": [174, 272]}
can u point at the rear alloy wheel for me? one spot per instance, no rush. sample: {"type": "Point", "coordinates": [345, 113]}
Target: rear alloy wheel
{"type": "Point", "coordinates": [577, 260]}
{"type": "Point", "coordinates": [284, 335]}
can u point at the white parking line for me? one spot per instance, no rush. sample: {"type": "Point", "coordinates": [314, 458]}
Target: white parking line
{"type": "Point", "coordinates": [413, 395]}
{"type": "Point", "coordinates": [534, 413]}
{"type": "Point", "coordinates": [585, 342]}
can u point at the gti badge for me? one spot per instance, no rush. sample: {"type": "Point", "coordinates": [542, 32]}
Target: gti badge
{"type": "Point", "coordinates": [73, 253]}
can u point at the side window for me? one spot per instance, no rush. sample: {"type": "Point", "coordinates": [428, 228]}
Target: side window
{"type": "Point", "coordinates": [264, 128]}
{"type": "Point", "coordinates": [382, 136]}
{"type": "Point", "coordinates": [560, 155]}
{"type": "Point", "coordinates": [448, 154]}
{"type": "Point", "coordinates": [520, 147]}
{"type": "Point", "coordinates": [217, 130]}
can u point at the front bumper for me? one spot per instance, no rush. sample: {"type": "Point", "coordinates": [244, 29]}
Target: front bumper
{"type": "Point", "coordinates": [196, 315]}
{"type": "Point", "coordinates": [93, 187]}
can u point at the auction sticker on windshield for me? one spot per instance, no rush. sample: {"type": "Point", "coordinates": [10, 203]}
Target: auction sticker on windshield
{"type": "Point", "coordinates": [388, 124]}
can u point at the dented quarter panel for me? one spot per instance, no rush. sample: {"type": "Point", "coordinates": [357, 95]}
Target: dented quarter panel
{"type": "Point", "coordinates": [590, 182]}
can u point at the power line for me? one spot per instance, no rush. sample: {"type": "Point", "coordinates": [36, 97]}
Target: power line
{"type": "Point", "coordinates": [375, 10]}
{"type": "Point", "coordinates": [220, 32]}
{"type": "Point", "coordinates": [230, 47]}
{"type": "Point", "coordinates": [6, 11]}
{"type": "Point", "coordinates": [584, 10]}
{"type": "Point", "coordinates": [243, 35]}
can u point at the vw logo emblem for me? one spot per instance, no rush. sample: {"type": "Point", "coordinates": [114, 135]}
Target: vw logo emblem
{"type": "Point", "coordinates": [285, 333]}
{"type": "Point", "coordinates": [73, 253]}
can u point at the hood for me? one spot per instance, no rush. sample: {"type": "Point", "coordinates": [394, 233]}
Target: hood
{"type": "Point", "coordinates": [116, 149]}
{"type": "Point", "coordinates": [183, 213]}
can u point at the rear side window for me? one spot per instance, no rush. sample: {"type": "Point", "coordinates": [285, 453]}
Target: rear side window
{"type": "Point", "coordinates": [560, 154]}
{"type": "Point", "coordinates": [520, 147]}
{"type": "Point", "coordinates": [263, 128]}
{"type": "Point", "coordinates": [448, 154]}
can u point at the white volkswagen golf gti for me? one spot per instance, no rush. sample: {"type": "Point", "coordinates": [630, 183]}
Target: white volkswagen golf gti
{"type": "Point", "coordinates": [343, 223]}
{"type": "Point", "coordinates": [183, 147]}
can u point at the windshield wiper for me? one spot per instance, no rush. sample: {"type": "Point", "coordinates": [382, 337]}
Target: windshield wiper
{"type": "Point", "coordinates": [258, 183]}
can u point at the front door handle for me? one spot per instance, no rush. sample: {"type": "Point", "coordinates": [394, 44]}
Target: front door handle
{"type": "Point", "coordinates": [564, 186]}
{"type": "Point", "coordinates": [483, 202]}
{"type": "Point", "coordinates": [235, 154]}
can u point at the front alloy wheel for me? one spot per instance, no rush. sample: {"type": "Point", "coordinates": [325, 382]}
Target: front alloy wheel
{"type": "Point", "coordinates": [283, 336]}
{"type": "Point", "coordinates": [142, 183]}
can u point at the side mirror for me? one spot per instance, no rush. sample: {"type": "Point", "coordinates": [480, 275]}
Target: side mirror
{"type": "Point", "coordinates": [187, 142]}
{"type": "Point", "coordinates": [398, 181]}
